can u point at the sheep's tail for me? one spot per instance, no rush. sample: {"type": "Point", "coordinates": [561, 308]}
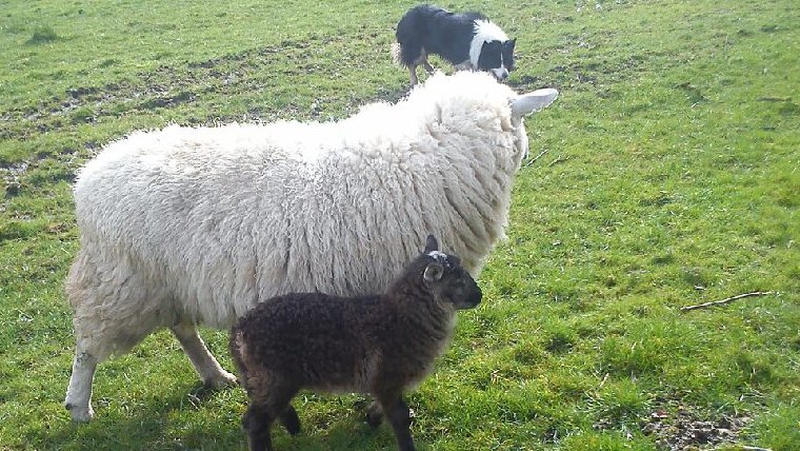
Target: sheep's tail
{"type": "Point", "coordinates": [397, 51]}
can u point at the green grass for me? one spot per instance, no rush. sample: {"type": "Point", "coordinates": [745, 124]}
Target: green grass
{"type": "Point", "coordinates": [670, 176]}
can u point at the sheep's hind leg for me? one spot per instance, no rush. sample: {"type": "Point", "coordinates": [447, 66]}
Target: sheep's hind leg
{"type": "Point", "coordinates": [204, 363]}
{"type": "Point", "coordinates": [79, 393]}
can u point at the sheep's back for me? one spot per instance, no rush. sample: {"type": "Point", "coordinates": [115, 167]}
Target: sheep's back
{"type": "Point", "coordinates": [221, 224]}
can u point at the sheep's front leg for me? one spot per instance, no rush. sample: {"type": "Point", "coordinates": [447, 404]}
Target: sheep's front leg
{"type": "Point", "coordinates": [207, 367]}
{"type": "Point", "coordinates": [79, 393]}
{"type": "Point", "coordinates": [397, 412]}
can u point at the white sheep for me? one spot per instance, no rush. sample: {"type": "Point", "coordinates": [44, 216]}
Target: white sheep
{"type": "Point", "coordinates": [188, 226]}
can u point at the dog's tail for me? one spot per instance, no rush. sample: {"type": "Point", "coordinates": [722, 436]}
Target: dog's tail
{"type": "Point", "coordinates": [397, 52]}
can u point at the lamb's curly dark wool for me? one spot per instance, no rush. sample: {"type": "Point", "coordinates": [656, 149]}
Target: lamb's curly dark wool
{"type": "Point", "coordinates": [378, 345]}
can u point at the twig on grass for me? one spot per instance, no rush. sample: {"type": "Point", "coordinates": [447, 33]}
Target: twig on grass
{"type": "Point", "coordinates": [533, 160]}
{"type": "Point", "coordinates": [557, 160]}
{"type": "Point", "coordinates": [754, 448]}
{"type": "Point", "coordinates": [726, 300]}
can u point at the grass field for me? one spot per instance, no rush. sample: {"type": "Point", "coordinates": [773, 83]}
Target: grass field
{"type": "Point", "coordinates": [668, 175]}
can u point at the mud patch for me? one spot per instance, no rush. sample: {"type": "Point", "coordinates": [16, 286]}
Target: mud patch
{"type": "Point", "coordinates": [10, 175]}
{"type": "Point", "coordinates": [687, 429]}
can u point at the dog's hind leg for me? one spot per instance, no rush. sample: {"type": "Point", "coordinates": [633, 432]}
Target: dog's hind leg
{"type": "Point", "coordinates": [428, 68]}
{"type": "Point", "coordinates": [423, 60]}
{"type": "Point", "coordinates": [412, 68]}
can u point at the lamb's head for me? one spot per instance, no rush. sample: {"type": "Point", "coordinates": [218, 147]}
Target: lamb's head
{"type": "Point", "coordinates": [524, 105]}
{"type": "Point", "coordinates": [447, 280]}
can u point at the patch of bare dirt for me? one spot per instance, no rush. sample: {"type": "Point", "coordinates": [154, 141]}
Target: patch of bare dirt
{"type": "Point", "coordinates": [687, 429]}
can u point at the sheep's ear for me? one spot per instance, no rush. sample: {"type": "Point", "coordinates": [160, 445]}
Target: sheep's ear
{"type": "Point", "coordinates": [532, 102]}
{"type": "Point", "coordinates": [433, 272]}
{"type": "Point", "coordinates": [431, 244]}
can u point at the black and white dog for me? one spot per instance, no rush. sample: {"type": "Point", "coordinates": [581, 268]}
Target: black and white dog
{"type": "Point", "coordinates": [466, 40]}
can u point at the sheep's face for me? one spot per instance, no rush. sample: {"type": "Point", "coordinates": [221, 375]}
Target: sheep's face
{"type": "Point", "coordinates": [452, 285]}
{"type": "Point", "coordinates": [449, 282]}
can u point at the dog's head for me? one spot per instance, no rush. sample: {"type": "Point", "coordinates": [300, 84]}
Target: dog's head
{"type": "Point", "coordinates": [497, 57]}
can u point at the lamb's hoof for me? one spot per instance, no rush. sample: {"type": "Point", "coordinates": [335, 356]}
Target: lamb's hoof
{"type": "Point", "coordinates": [374, 416]}
{"type": "Point", "coordinates": [220, 381]}
{"type": "Point", "coordinates": [291, 421]}
{"type": "Point", "coordinates": [79, 415]}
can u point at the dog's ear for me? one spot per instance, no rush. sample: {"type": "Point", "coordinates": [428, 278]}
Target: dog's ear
{"type": "Point", "coordinates": [492, 45]}
{"type": "Point", "coordinates": [508, 53]}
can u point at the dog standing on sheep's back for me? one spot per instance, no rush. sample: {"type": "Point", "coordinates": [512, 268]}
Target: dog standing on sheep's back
{"type": "Point", "coordinates": [466, 40]}
{"type": "Point", "coordinates": [378, 345]}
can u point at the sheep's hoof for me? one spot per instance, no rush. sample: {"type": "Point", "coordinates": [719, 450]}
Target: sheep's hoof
{"type": "Point", "coordinates": [220, 381]}
{"type": "Point", "coordinates": [80, 415]}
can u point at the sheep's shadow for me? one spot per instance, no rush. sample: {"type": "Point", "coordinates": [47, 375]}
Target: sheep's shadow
{"type": "Point", "coordinates": [180, 420]}
{"type": "Point", "coordinates": [148, 425]}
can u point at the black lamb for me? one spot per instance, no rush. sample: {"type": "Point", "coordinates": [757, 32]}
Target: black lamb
{"type": "Point", "coordinates": [377, 345]}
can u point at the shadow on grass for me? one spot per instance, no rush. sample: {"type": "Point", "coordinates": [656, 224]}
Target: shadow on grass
{"type": "Point", "coordinates": [185, 419]}
{"type": "Point", "coordinates": [157, 424]}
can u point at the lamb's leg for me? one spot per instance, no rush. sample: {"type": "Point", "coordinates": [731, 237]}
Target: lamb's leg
{"type": "Point", "coordinates": [399, 416]}
{"type": "Point", "coordinates": [374, 415]}
{"type": "Point", "coordinates": [290, 420]}
{"type": "Point", "coordinates": [79, 393]}
{"type": "Point", "coordinates": [256, 423]}
{"type": "Point", "coordinates": [207, 367]}
{"type": "Point", "coordinates": [269, 399]}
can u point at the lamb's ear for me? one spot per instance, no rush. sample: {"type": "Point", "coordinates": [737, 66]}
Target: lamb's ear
{"type": "Point", "coordinates": [431, 244]}
{"type": "Point", "coordinates": [532, 102]}
{"type": "Point", "coordinates": [433, 272]}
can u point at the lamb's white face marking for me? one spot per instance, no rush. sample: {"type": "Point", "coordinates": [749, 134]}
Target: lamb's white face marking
{"type": "Point", "coordinates": [485, 31]}
{"type": "Point", "coordinates": [440, 257]}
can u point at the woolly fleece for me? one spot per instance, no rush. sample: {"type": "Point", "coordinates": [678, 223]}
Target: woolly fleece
{"type": "Point", "coordinates": [200, 223]}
